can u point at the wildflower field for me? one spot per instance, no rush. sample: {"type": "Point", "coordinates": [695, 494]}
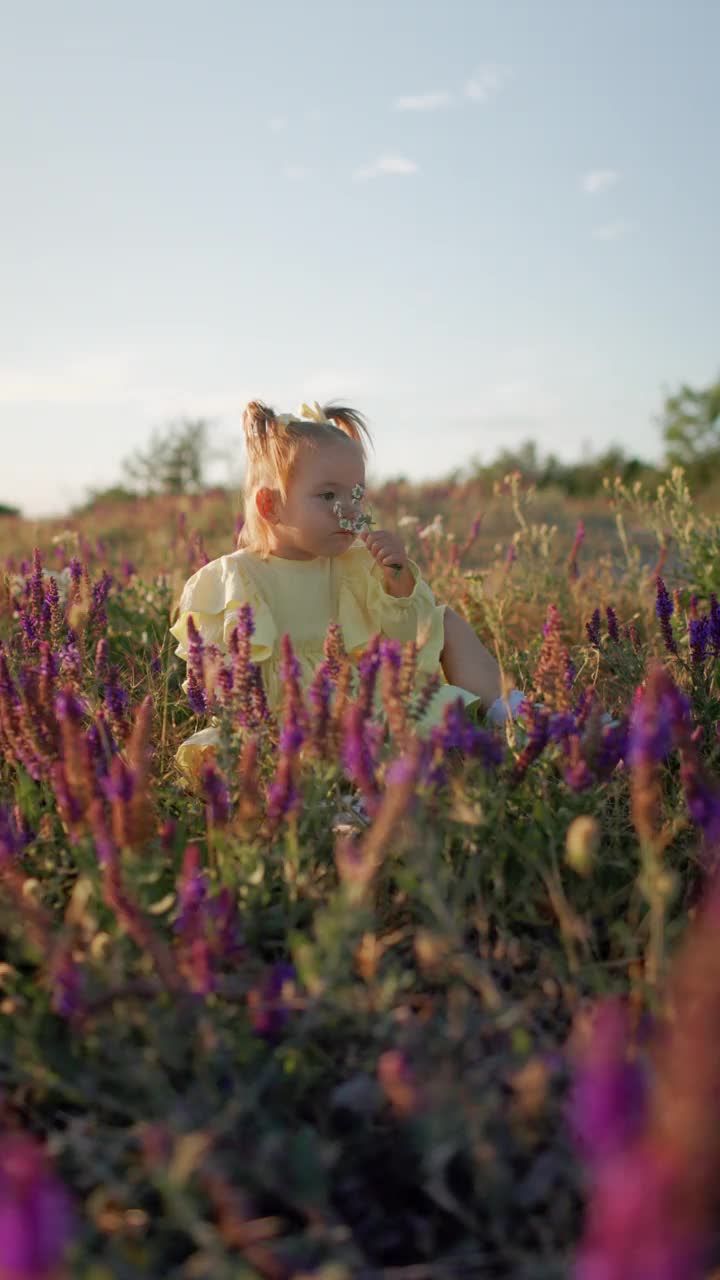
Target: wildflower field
{"type": "Point", "coordinates": [246, 1031]}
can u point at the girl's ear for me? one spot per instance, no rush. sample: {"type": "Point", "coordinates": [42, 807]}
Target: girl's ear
{"type": "Point", "coordinates": [266, 501]}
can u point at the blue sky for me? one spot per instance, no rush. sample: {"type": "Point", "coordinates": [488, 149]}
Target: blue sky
{"type": "Point", "coordinates": [480, 221]}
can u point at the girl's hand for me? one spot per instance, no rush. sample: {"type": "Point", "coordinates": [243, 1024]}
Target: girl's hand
{"type": "Point", "coordinates": [388, 551]}
{"type": "Point", "coordinates": [385, 548]}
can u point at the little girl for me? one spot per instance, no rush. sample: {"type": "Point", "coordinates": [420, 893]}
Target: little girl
{"type": "Point", "coordinates": [307, 557]}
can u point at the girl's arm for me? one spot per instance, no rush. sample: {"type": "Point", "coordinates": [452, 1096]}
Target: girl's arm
{"type": "Point", "coordinates": [466, 662]}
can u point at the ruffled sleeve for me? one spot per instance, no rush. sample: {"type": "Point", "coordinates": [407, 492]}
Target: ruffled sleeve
{"type": "Point", "coordinates": [212, 598]}
{"type": "Point", "coordinates": [366, 608]}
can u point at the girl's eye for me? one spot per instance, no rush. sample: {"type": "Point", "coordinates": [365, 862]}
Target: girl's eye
{"type": "Point", "coordinates": [329, 495]}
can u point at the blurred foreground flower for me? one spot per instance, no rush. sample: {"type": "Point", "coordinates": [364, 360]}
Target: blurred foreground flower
{"type": "Point", "coordinates": [36, 1217]}
{"type": "Point", "coordinates": [649, 1138]}
{"type": "Point", "coordinates": [582, 841]}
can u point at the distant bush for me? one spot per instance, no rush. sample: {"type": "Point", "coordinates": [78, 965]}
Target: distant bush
{"type": "Point", "coordinates": [575, 479]}
{"type": "Point", "coordinates": [105, 497]}
{"type": "Point", "coordinates": [6, 510]}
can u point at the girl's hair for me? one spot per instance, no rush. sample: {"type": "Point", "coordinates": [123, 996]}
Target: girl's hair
{"type": "Point", "coordinates": [272, 446]}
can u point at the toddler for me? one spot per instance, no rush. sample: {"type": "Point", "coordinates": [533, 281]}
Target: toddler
{"type": "Point", "coordinates": [307, 556]}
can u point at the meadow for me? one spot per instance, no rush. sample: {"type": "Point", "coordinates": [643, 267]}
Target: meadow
{"type": "Point", "coordinates": [245, 1033]}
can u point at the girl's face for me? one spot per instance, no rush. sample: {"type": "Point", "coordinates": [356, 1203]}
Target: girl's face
{"type": "Point", "coordinates": [306, 524]}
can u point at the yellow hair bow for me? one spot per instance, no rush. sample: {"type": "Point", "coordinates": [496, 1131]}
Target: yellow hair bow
{"type": "Point", "coordinates": [312, 413]}
{"type": "Point", "coordinates": [306, 413]}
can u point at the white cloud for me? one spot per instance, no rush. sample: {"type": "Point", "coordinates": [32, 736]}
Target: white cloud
{"type": "Point", "coordinates": [296, 172]}
{"type": "Point", "coordinates": [388, 163]}
{"type": "Point", "coordinates": [599, 180]}
{"type": "Point", "coordinates": [424, 101]}
{"type": "Point", "coordinates": [277, 123]}
{"type": "Point", "coordinates": [611, 230]}
{"type": "Point", "coordinates": [486, 82]}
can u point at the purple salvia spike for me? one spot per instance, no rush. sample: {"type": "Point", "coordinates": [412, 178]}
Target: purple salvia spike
{"type": "Point", "coordinates": [197, 696]}
{"type": "Point", "coordinates": [592, 629]}
{"type": "Point", "coordinates": [699, 637]}
{"type": "Point", "coordinates": [37, 587]}
{"type": "Point", "coordinates": [319, 699]}
{"type": "Point", "coordinates": [217, 800]}
{"type": "Point", "coordinates": [613, 629]}
{"type": "Point", "coordinates": [368, 669]}
{"type": "Point", "coordinates": [357, 757]}
{"type": "Point", "coordinates": [101, 659]}
{"type": "Point", "coordinates": [664, 608]}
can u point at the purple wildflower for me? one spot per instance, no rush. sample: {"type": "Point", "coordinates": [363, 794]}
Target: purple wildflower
{"type": "Point", "coordinates": [37, 587]}
{"type": "Point", "coordinates": [334, 650]}
{"type": "Point", "coordinates": [458, 733]}
{"type": "Point", "coordinates": [56, 614]}
{"type": "Point", "coordinates": [319, 699]}
{"type": "Point", "coordinates": [191, 888]}
{"type": "Point", "coordinates": [633, 1229]}
{"type": "Point", "coordinates": [612, 748]}
{"type": "Point", "coordinates": [537, 724]}
{"type": "Point", "coordinates": [269, 1005]}
{"type": "Point", "coordinates": [102, 744]}
{"type": "Point", "coordinates": [368, 669]}
{"type": "Point", "coordinates": [197, 697]}
{"type": "Point", "coordinates": [12, 838]}
{"type": "Point", "coordinates": [560, 726]}
{"type": "Point", "coordinates": [608, 1101]}
{"type": "Point", "coordinates": [29, 631]}
{"type": "Point", "coordinates": [664, 608]}
{"type": "Point", "coordinates": [260, 707]}
{"type": "Point", "coordinates": [577, 773]}
{"type": "Point", "coordinates": [241, 649]}
{"type": "Point", "coordinates": [68, 706]}
{"type": "Point", "coordinates": [612, 624]}
{"type": "Point", "coordinates": [225, 686]}
{"type": "Point", "coordinates": [294, 726]}
{"type": "Point", "coordinates": [216, 796]}
{"type": "Point", "coordinates": [584, 706]}
{"type": "Point", "coordinates": [36, 1217]}
{"type": "Point", "coordinates": [207, 928]}
{"type": "Point", "coordinates": [593, 629]}
{"type": "Point", "coordinates": [424, 698]}
{"type": "Point", "coordinates": [702, 797]}
{"type": "Point", "coordinates": [358, 758]}
{"type": "Point", "coordinates": [657, 715]}
{"type": "Point", "coordinates": [116, 697]}
{"type": "Point", "coordinates": [699, 634]}
{"type": "Point", "coordinates": [283, 797]}
{"type": "Point", "coordinates": [100, 592]}
{"type": "Point", "coordinates": [101, 659]}
{"type": "Point", "coordinates": [70, 658]}
{"type": "Point", "coordinates": [391, 653]}
{"type": "Point", "coordinates": [117, 784]}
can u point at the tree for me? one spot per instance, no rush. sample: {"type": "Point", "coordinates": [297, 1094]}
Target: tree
{"type": "Point", "coordinates": [174, 461]}
{"type": "Point", "coordinates": [691, 425]}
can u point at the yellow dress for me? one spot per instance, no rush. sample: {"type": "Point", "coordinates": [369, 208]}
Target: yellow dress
{"type": "Point", "coordinates": [301, 598]}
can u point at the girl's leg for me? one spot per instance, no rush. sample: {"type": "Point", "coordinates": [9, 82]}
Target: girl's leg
{"type": "Point", "coordinates": [466, 662]}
